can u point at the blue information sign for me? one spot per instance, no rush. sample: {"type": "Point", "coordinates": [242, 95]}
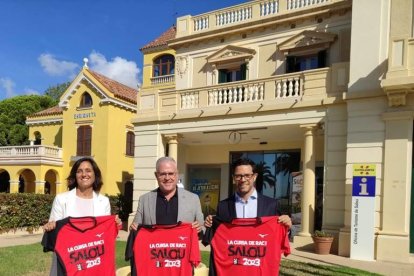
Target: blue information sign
{"type": "Point", "coordinates": [363, 186]}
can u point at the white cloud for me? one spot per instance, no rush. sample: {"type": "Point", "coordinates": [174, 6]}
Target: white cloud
{"type": "Point", "coordinates": [119, 69]}
{"type": "Point", "coordinates": [55, 67]}
{"type": "Point", "coordinates": [8, 85]}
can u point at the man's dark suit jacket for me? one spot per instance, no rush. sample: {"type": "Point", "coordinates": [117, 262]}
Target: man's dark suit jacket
{"type": "Point", "coordinates": [266, 206]}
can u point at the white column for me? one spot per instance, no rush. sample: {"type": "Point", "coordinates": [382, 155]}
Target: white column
{"type": "Point", "coordinates": [172, 141]}
{"type": "Point", "coordinates": [308, 194]}
{"type": "Point", "coordinates": [393, 237]}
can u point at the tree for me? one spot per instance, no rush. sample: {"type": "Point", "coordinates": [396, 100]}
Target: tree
{"type": "Point", "coordinates": [55, 92]}
{"type": "Point", "coordinates": [13, 113]}
{"type": "Point", "coordinates": [265, 177]}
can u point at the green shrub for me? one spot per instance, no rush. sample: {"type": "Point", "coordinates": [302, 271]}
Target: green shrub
{"type": "Point", "coordinates": [24, 211]}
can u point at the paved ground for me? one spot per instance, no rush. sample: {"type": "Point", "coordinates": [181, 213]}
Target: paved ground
{"type": "Point", "coordinates": [383, 268]}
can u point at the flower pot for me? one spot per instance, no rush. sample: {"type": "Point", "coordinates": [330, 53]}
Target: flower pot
{"type": "Point", "coordinates": [322, 245]}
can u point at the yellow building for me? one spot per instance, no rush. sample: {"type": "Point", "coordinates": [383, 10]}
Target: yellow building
{"type": "Point", "coordinates": [93, 118]}
{"type": "Point", "coordinates": [311, 87]}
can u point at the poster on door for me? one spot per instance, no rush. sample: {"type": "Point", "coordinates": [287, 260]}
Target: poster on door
{"type": "Point", "coordinates": [205, 182]}
{"type": "Point", "coordinates": [296, 199]}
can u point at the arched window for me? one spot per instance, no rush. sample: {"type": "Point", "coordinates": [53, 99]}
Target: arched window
{"type": "Point", "coordinates": [86, 100]}
{"type": "Point", "coordinates": [130, 143]}
{"type": "Point", "coordinates": [164, 65]}
{"type": "Point", "coordinates": [84, 141]}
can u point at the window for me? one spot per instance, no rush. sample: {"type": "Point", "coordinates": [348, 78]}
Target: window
{"type": "Point", "coordinates": [84, 141]}
{"type": "Point", "coordinates": [130, 143]}
{"type": "Point", "coordinates": [306, 62]}
{"type": "Point", "coordinates": [163, 66]}
{"type": "Point", "coordinates": [38, 138]}
{"type": "Point", "coordinates": [86, 100]}
{"type": "Point", "coordinates": [230, 75]}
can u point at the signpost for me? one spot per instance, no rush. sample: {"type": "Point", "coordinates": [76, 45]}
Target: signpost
{"type": "Point", "coordinates": [363, 212]}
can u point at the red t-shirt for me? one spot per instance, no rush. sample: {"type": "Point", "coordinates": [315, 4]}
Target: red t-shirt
{"type": "Point", "coordinates": [84, 246]}
{"type": "Point", "coordinates": [248, 246]}
{"type": "Point", "coordinates": [163, 250]}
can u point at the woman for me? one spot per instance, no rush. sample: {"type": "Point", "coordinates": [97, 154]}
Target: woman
{"type": "Point", "coordinates": [83, 198]}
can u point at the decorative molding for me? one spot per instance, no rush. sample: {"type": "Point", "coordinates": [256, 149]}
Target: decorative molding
{"type": "Point", "coordinates": [182, 65]}
{"type": "Point", "coordinates": [230, 53]}
{"type": "Point", "coordinates": [307, 39]}
{"type": "Point", "coordinates": [105, 99]}
{"type": "Point", "coordinates": [44, 121]}
{"type": "Point", "coordinates": [397, 99]}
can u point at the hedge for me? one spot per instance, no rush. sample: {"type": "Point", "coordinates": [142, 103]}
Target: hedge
{"type": "Point", "coordinates": [26, 211]}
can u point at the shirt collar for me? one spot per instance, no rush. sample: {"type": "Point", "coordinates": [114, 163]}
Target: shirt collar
{"type": "Point", "coordinates": [253, 196]}
{"type": "Point", "coordinates": [160, 194]}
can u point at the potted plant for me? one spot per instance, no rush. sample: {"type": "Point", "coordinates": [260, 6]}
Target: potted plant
{"type": "Point", "coordinates": [322, 242]}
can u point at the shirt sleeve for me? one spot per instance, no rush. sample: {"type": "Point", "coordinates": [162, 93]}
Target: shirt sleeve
{"type": "Point", "coordinates": [57, 212]}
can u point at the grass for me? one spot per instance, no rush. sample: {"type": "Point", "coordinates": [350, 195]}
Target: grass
{"type": "Point", "coordinates": [30, 260]}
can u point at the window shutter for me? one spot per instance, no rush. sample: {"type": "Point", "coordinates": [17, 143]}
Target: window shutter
{"type": "Point", "coordinates": [222, 76]}
{"type": "Point", "coordinates": [243, 71]}
{"type": "Point", "coordinates": [290, 64]}
{"type": "Point", "coordinates": [84, 141]}
{"type": "Point", "coordinates": [322, 59]}
{"type": "Point", "coordinates": [130, 143]}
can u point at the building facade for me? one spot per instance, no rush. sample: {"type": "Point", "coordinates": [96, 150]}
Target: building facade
{"type": "Point", "coordinates": [307, 89]}
{"type": "Point", "coordinates": [93, 118]}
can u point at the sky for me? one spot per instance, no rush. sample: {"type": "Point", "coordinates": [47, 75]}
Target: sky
{"type": "Point", "coordinates": [43, 42]}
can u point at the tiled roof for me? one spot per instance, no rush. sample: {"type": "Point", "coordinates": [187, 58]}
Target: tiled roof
{"type": "Point", "coordinates": [119, 90]}
{"type": "Point", "coordinates": [55, 110]}
{"type": "Point", "coordinates": [162, 39]}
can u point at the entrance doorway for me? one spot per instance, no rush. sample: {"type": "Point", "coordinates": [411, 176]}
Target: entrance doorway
{"type": "Point", "coordinates": [274, 169]}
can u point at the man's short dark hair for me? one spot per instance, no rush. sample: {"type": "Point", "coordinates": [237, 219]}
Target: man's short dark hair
{"type": "Point", "coordinates": [243, 162]}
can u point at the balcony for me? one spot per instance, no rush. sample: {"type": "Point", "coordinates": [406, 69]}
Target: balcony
{"type": "Point", "coordinates": [162, 80]}
{"type": "Point", "coordinates": [22, 155]}
{"type": "Point", "coordinates": [399, 80]}
{"type": "Point", "coordinates": [251, 11]}
{"type": "Point", "coordinates": [294, 90]}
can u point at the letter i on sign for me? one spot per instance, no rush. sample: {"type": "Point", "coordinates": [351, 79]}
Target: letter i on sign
{"type": "Point", "coordinates": [363, 187]}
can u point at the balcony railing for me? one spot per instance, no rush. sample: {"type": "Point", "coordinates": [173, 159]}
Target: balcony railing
{"type": "Point", "coordinates": [316, 84]}
{"type": "Point", "coordinates": [162, 80]}
{"type": "Point", "coordinates": [246, 12]}
{"type": "Point", "coordinates": [236, 93]}
{"type": "Point", "coordinates": [21, 153]}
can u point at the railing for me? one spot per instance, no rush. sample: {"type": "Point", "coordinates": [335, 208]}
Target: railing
{"type": "Point", "coordinates": [162, 79]}
{"type": "Point", "coordinates": [189, 100]}
{"type": "Point", "coordinates": [236, 93]}
{"type": "Point", "coordinates": [30, 151]}
{"type": "Point", "coordinates": [310, 84]}
{"type": "Point", "coordinates": [246, 12]}
{"type": "Point", "coordinates": [233, 16]}
{"type": "Point", "coordinates": [297, 4]}
{"type": "Point", "coordinates": [289, 86]}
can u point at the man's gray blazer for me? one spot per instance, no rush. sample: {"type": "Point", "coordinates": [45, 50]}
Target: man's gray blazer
{"type": "Point", "coordinates": [189, 208]}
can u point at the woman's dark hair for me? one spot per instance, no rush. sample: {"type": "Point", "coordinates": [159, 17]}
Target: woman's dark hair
{"type": "Point", "coordinates": [72, 176]}
{"type": "Point", "coordinates": [243, 162]}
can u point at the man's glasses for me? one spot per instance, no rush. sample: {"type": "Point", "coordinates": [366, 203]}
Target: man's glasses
{"type": "Point", "coordinates": [240, 176]}
{"type": "Point", "coordinates": [165, 174]}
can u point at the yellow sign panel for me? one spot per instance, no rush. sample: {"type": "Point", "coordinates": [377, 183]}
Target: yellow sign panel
{"type": "Point", "coordinates": [364, 170]}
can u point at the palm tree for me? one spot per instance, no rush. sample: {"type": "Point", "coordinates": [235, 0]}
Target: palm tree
{"type": "Point", "coordinates": [265, 178]}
